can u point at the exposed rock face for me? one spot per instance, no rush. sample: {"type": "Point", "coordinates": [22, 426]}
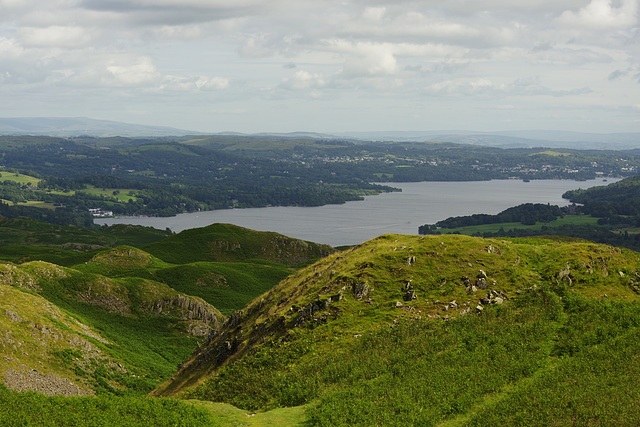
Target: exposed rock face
{"type": "Point", "coordinates": [108, 294]}
{"type": "Point", "coordinates": [361, 291]}
{"type": "Point", "coordinates": [564, 275]}
{"type": "Point", "coordinates": [49, 384]}
{"type": "Point", "coordinates": [207, 318]}
{"type": "Point", "coordinates": [310, 309]}
{"type": "Point", "coordinates": [13, 276]}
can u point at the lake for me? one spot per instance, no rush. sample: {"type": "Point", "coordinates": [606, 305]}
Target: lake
{"type": "Point", "coordinates": [400, 212]}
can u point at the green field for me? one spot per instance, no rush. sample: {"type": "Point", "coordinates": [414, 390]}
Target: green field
{"type": "Point", "coordinates": [120, 194]}
{"type": "Point", "coordinates": [506, 226]}
{"type": "Point", "coordinates": [19, 178]}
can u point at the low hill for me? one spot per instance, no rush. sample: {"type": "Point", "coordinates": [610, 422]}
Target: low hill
{"type": "Point", "coordinates": [76, 126]}
{"type": "Point", "coordinates": [70, 332]}
{"type": "Point", "coordinates": [405, 330]}
{"type": "Point", "coordinates": [230, 243]}
{"type": "Point", "coordinates": [26, 239]}
{"type": "Point", "coordinates": [139, 315]}
{"type": "Point", "coordinates": [618, 198]}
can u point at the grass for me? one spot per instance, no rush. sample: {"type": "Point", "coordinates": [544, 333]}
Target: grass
{"type": "Point", "coordinates": [227, 286]}
{"type": "Point", "coordinates": [230, 243]}
{"type": "Point", "coordinates": [19, 178]}
{"type": "Point", "coordinates": [149, 347]}
{"type": "Point", "coordinates": [33, 409]}
{"type": "Point", "coordinates": [551, 153]}
{"type": "Point", "coordinates": [514, 365]}
{"type": "Point", "coordinates": [229, 415]}
{"type": "Point", "coordinates": [370, 362]}
{"type": "Point", "coordinates": [38, 204]}
{"type": "Point", "coordinates": [492, 228]}
{"type": "Point", "coordinates": [68, 239]}
{"type": "Point", "coordinates": [121, 195]}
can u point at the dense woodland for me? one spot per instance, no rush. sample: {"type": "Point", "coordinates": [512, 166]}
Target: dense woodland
{"type": "Point", "coordinates": [165, 177]}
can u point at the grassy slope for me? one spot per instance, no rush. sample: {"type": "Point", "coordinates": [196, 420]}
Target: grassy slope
{"type": "Point", "coordinates": [142, 329]}
{"type": "Point", "coordinates": [358, 362]}
{"type": "Point", "coordinates": [23, 239]}
{"type": "Point", "coordinates": [123, 294]}
{"type": "Point", "coordinates": [33, 409]}
{"type": "Point", "coordinates": [227, 286]}
{"type": "Point", "coordinates": [230, 243]}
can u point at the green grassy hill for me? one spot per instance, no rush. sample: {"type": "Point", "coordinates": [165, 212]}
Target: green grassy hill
{"type": "Point", "coordinates": [102, 334]}
{"type": "Point", "coordinates": [402, 330]}
{"type": "Point", "coordinates": [230, 243]}
{"type": "Point", "coordinates": [142, 315]}
{"type": "Point", "coordinates": [437, 330]}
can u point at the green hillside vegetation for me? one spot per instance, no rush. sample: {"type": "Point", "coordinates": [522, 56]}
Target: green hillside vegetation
{"type": "Point", "coordinates": [119, 194]}
{"type": "Point", "coordinates": [37, 410]}
{"type": "Point", "coordinates": [620, 198]}
{"type": "Point", "coordinates": [144, 328]}
{"type": "Point", "coordinates": [437, 330]}
{"type": "Point", "coordinates": [401, 330]}
{"type": "Point", "coordinates": [479, 230]}
{"type": "Point", "coordinates": [146, 313]}
{"type": "Point", "coordinates": [24, 239]}
{"type": "Point", "coordinates": [227, 242]}
{"type": "Point", "coordinates": [228, 286]}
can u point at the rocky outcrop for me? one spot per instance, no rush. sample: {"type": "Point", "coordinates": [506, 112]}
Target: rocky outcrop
{"type": "Point", "coordinates": [13, 276]}
{"type": "Point", "coordinates": [50, 384]}
{"type": "Point", "coordinates": [204, 318]}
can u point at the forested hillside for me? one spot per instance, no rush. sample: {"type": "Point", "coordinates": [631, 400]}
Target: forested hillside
{"type": "Point", "coordinates": [58, 180]}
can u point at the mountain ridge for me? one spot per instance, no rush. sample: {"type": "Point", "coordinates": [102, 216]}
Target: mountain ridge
{"type": "Point", "coordinates": [83, 126]}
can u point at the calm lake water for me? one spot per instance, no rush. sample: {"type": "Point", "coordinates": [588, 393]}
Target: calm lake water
{"type": "Point", "coordinates": [400, 212]}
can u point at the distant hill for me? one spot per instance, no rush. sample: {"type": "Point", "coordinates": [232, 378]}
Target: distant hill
{"type": "Point", "coordinates": [512, 139]}
{"type": "Point", "coordinates": [82, 126]}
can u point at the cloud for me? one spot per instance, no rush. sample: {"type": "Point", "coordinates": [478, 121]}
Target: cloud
{"type": "Point", "coordinates": [486, 87]}
{"type": "Point", "coordinates": [254, 51]}
{"type": "Point", "coordinates": [367, 59]}
{"type": "Point", "coordinates": [602, 15]}
{"type": "Point", "coordinates": [617, 75]}
{"type": "Point", "coordinates": [140, 73]}
{"type": "Point", "coordinates": [303, 80]}
{"type": "Point", "coordinates": [54, 36]}
{"type": "Point", "coordinates": [199, 83]}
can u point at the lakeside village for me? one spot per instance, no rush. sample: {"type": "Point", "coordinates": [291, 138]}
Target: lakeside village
{"type": "Point", "coordinates": [100, 213]}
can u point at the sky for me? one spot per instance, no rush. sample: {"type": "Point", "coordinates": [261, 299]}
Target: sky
{"type": "Point", "coordinates": [324, 65]}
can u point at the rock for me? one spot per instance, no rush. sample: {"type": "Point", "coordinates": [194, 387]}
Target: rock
{"type": "Point", "coordinates": [360, 291]}
{"type": "Point", "coordinates": [481, 283]}
{"type": "Point", "coordinates": [482, 275]}
{"type": "Point", "coordinates": [399, 304]}
{"type": "Point", "coordinates": [493, 250]}
{"type": "Point", "coordinates": [410, 295]}
{"type": "Point", "coordinates": [453, 304]}
{"type": "Point", "coordinates": [564, 275]}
